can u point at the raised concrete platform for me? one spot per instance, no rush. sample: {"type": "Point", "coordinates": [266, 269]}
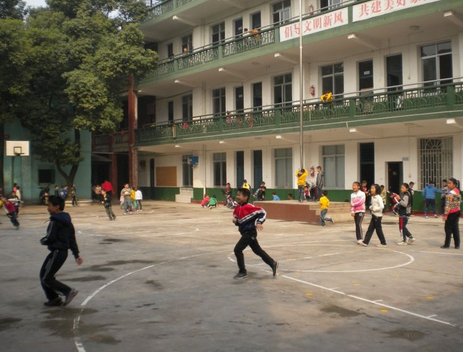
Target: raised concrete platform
{"type": "Point", "coordinates": [292, 210]}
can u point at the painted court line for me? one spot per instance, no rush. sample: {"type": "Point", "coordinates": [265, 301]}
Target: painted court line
{"type": "Point", "coordinates": [441, 253]}
{"type": "Point", "coordinates": [430, 318]}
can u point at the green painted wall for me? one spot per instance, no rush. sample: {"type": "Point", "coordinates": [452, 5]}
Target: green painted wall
{"type": "Point", "coordinates": [160, 193]}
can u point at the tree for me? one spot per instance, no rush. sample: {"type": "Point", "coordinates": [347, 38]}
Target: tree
{"type": "Point", "coordinates": [14, 68]}
{"type": "Point", "coordinates": [83, 53]}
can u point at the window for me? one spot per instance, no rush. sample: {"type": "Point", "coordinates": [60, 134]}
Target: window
{"type": "Point", "coordinates": [281, 11]}
{"type": "Point", "coordinates": [47, 176]}
{"type": "Point", "coordinates": [394, 72]}
{"type": "Point", "coordinates": [187, 107]}
{"type": "Point", "coordinates": [239, 99]}
{"type": "Point", "coordinates": [436, 160]}
{"type": "Point", "coordinates": [333, 166]}
{"type": "Point", "coordinates": [187, 44]}
{"type": "Point", "coordinates": [436, 61]}
{"type": "Point", "coordinates": [333, 79]}
{"type": "Point", "coordinates": [283, 89]}
{"type": "Point", "coordinates": [218, 33]}
{"type": "Point", "coordinates": [284, 168]}
{"type": "Point", "coordinates": [365, 75]}
{"type": "Point", "coordinates": [170, 50]}
{"type": "Point", "coordinates": [218, 101]}
{"type": "Point", "coordinates": [238, 24]}
{"type": "Point", "coordinates": [257, 95]}
{"type": "Point", "coordinates": [220, 169]}
{"type": "Point", "coordinates": [239, 168]}
{"type": "Point", "coordinates": [256, 21]}
{"type": "Point", "coordinates": [326, 5]}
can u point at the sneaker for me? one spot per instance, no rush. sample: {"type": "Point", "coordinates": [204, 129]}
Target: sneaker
{"type": "Point", "coordinates": [323, 224]}
{"type": "Point", "coordinates": [57, 302]}
{"type": "Point", "coordinates": [114, 217]}
{"type": "Point", "coordinates": [240, 276]}
{"type": "Point", "coordinates": [332, 221]}
{"type": "Point", "coordinates": [457, 247]}
{"type": "Point", "coordinates": [361, 243]}
{"type": "Point", "coordinates": [70, 297]}
{"type": "Point", "coordinates": [435, 216]}
{"type": "Point", "coordinates": [411, 240]}
{"type": "Point", "coordinates": [426, 217]}
{"type": "Point", "coordinates": [275, 268]}
{"type": "Point", "coordinates": [444, 247]}
{"type": "Point", "coordinates": [402, 243]}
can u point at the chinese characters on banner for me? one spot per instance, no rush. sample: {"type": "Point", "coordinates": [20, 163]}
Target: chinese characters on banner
{"type": "Point", "coordinates": [316, 24]}
{"type": "Point", "coordinates": [375, 8]}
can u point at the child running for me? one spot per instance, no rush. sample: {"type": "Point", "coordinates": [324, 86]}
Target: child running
{"type": "Point", "coordinates": [249, 220]}
{"type": "Point", "coordinates": [376, 208]}
{"type": "Point", "coordinates": [107, 204]}
{"type": "Point", "coordinates": [324, 205]}
{"type": "Point", "coordinates": [357, 211]}
{"type": "Point", "coordinates": [60, 238]}
{"type": "Point", "coordinates": [404, 209]}
{"type": "Point", "coordinates": [10, 211]}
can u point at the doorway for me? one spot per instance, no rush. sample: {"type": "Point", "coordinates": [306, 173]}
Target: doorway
{"type": "Point", "coordinates": [257, 167]}
{"type": "Point", "coordinates": [394, 176]}
{"type": "Point", "coordinates": [367, 163]}
{"type": "Point", "coordinates": [187, 171]}
{"type": "Point", "coordinates": [239, 168]}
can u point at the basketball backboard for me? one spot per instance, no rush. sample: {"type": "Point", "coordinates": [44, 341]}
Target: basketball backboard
{"type": "Point", "coordinates": [17, 148]}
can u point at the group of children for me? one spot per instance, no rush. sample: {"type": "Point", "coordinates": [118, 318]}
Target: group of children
{"type": "Point", "coordinates": [130, 199]}
{"type": "Point", "coordinates": [402, 206]}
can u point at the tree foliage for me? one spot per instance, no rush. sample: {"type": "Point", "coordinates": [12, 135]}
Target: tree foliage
{"type": "Point", "coordinates": [81, 53]}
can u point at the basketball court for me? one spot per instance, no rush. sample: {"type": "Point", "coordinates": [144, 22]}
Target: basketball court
{"type": "Point", "coordinates": [162, 280]}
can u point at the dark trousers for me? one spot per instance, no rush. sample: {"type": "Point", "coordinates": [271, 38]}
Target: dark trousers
{"type": "Point", "coordinates": [301, 193]}
{"type": "Point", "coordinates": [53, 262]}
{"type": "Point", "coordinates": [13, 218]}
{"type": "Point", "coordinates": [430, 203]}
{"type": "Point", "coordinates": [442, 206]}
{"type": "Point", "coordinates": [451, 227]}
{"type": "Point", "coordinates": [109, 211]}
{"type": "Point", "coordinates": [403, 221]}
{"type": "Point", "coordinates": [319, 193]}
{"type": "Point", "coordinates": [74, 201]}
{"type": "Point", "coordinates": [375, 224]}
{"type": "Point", "coordinates": [250, 239]}
{"type": "Point", "coordinates": [358, 218]}
{"type": "Point", "coordinates": [139, 205]}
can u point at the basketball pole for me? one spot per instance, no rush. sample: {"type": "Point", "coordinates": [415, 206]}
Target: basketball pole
{"type": "Point", "coordinates": [301, 91]}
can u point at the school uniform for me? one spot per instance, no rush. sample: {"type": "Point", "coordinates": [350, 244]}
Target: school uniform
{"type": "Point", "coordinates": [377, 207]}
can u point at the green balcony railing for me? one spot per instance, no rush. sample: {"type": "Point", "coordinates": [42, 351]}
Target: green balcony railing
{"type": "Point", "coordinates": [366, 107]}
{"type": "Point", "coordinates": [160, 9]}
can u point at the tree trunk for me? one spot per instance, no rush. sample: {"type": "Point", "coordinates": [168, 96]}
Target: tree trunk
{"type": "Point", "coordinates": [72, 173]}
{"type": "Point", "coordinates": [2, 153]}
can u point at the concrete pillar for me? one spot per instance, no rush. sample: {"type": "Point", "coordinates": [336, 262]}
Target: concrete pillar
{"type": "Point", "coordinates": [133, 159]}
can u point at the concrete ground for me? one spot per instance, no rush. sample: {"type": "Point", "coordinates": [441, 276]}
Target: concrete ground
{"type": "Point", "coordinates": [162, 280]}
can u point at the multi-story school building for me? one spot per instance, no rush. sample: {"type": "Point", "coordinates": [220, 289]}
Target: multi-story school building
{"type": "Point", "coordinates": [224, 102]}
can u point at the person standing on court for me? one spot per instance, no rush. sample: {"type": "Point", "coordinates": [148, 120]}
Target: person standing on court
{"type": "Point", "coordinates": [429, 195]}
{"type": "Point", "coordinates": [320, 181]}
{"type": "Point", "coordinates": [301, 175]}
{"type": "Point", "coordinates": [126, 194]}
{"type": "Point", "coordinates": [61, 237]}
{"type": "Point", "coordinates": [376, 208]}
{"type": "Point", "coordinates": [452, 214]}
{"type": "Point", "coordinates": [357, 211]}
{"type": "Point", "coordinates": [249, 220]}
{"type": "Point", "coordinates": [405, 208]}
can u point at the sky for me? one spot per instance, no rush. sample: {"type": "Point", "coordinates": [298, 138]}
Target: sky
{"type": "Point", "coordinates": [35, 3]}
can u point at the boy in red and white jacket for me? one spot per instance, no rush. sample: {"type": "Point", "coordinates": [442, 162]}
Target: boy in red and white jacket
{"type": "Point", "coordinates": [10, 211]}
{"type": "Point", "coordinates": [249, 219]}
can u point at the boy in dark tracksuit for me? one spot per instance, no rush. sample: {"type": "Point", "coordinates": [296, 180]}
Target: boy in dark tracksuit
{"type": "Point", "coordinates": [249, 219]}
{"type": "Point", "coordinates": [59, 239]}
{"type": "Point", "coordinates": [107, 205]}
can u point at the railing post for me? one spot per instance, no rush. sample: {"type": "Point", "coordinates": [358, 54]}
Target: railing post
{"type": "Point", "coordinates": [221, 123]}
{"type": "Point", "coordinates": [277, 116]}
{"type": "Point", "coordinates": [220, 49]}
{"type": "Point", "coordinates": [174, 4]}
{"type": "Point", "coordinates": [450, 97]}
{"type": "Point", "coordinates": [352, 107]}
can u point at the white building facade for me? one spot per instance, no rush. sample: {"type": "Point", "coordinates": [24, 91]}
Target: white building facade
{"type": "Point", "coordinates": [225, 98]}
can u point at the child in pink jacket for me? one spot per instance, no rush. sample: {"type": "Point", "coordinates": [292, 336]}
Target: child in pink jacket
{"type": "Point", "coordinates": [357, 211]}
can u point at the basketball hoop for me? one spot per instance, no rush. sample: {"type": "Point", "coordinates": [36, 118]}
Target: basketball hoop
{"type": "Point", "coordinates": [17, 148]}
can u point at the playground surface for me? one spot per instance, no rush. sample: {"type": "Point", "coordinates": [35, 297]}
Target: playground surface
{"type": "Point", "coordinates": [162, 280]}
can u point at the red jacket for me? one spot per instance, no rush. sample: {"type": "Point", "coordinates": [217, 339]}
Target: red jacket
{"type": "Point", "coordinates": [9, 207]}
{"type": "Point", "coordinates": [107, 186]}
{"type": "Point", "coordinates": [247, 216]}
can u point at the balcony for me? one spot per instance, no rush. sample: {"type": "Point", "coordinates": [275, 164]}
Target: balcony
{"type": "Point", "coordinates": [430, 102]}
{"type": "Point", "coordinates": [342, 27]}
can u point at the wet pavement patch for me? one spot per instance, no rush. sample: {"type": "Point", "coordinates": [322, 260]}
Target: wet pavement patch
{"type": "Point", "coordinates": [123, 262]}
{"type": "Point", "coordinates": [155, 283]}
{"type": "Point", "coordinates": [7, 323]}
{"type": "Point", "coordinates": [102, 267]}
{"type": "Point", "coordinates": [107, 339]}
{"type": "Point", "coordinates": [87, 278]}
{"type": "Point", "coordinates": [113, 240]}
{"type": "Point", "coordinates": [410, 335]}
{"type": "Point", "coordinates": [342, 312]}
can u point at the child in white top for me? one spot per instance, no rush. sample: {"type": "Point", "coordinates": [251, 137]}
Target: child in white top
{"type": "Point", "coordinates": [138, 199]}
